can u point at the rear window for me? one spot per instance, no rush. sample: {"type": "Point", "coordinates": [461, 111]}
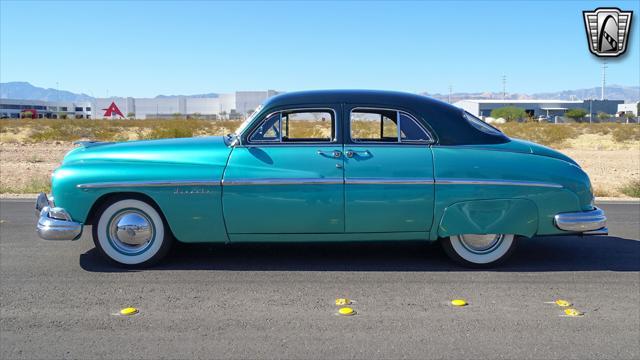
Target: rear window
{"type": "Point", "coordinates": [481, 125]}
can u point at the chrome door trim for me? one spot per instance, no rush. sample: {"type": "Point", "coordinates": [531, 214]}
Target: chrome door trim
{"type": "Point", "coordinates": [151, 183]}
{"type": "Point", "coordinates": [388, 181]}
{"type": "Point", "coordinates": [399, 142]}
{"type": "Point", "coordinates": [498, 182]}
{"type": "Point", "coordinates": [279, 142]}
{"type": "Point", "coordinates": [282, 181]}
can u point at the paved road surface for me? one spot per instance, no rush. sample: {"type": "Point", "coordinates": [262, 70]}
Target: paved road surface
{"type": "Point", "coordinates": [277, 301]}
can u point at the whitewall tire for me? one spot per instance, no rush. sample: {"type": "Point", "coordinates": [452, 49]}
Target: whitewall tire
{"type": "Point", "coordinates": [474, 250]}
{"type": "Point", "coordinates": [131, 232]}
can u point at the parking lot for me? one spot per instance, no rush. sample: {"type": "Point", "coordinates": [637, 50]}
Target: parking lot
{"type": "Point", "coordinates": [58, 299]}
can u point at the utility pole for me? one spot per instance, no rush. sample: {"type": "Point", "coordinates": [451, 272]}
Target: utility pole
{"type": "Point", "coordinates": [504, 87]}
{"type": "Point", "coordinates": [604, 78]}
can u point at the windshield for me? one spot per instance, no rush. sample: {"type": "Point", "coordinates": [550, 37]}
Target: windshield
{"type": "Point", "coordinates": [248, 121]}
{"type": "Point", "coordinates": [481, 125]}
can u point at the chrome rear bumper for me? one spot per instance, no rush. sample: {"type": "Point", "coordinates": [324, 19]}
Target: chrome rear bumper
{"type": "Point", "coordinates": [593, 222]}
{"type": "Point", "coordinates": [55, 223]}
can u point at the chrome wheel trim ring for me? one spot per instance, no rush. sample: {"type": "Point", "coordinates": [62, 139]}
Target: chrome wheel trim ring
{"type": "Point", "coordinates": [481, 243]}
{"type": "Point", "coordinates": [131, 231]}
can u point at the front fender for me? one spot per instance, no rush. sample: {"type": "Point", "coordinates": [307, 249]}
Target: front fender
{"type": "Point", "coordinates": [193, 212]}
{"type": "Point", "coordinates": [498, 216]}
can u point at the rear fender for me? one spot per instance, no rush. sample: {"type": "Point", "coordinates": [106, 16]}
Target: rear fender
{"type": "Point", "coordinates": [499, 216]}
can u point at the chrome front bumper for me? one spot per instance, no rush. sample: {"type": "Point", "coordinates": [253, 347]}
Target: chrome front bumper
{"type": "Point", "coordinates": [593, 222]}
{"type": "Point", "coordinates": [55, 223]}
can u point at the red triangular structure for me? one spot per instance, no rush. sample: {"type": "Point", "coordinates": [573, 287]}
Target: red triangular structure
{"type": "Point", "coordinates": [112, 109]}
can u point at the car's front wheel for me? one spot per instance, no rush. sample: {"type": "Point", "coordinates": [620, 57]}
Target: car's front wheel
{"type": "Point", "coordinates": [480, 251]}
{"type": "Point", "coordinates": [131, 232]}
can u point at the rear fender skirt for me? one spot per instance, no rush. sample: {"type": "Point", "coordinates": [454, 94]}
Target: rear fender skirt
{"type": "Point", "coordinates": [499, 216]}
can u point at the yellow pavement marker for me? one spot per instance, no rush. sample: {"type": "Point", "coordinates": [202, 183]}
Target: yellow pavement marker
{"type": "Point", "coordinates": [343, 301]}
{"type": "Point", "coordinates": [459, 302]}
{"type": "Point", "coordinates": [129, 311]}
{"type": "Point", "coordinates": [573, 312]}
{"type": "Point", "coordinates": [346, 311]}
{"type": "Point", "coordinates": [560, 302]}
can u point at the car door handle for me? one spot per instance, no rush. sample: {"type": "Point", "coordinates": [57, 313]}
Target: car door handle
{"type": "Point", "coordinates": [335, 153]}
{"type": "Point", "coordinates": [352, 153]}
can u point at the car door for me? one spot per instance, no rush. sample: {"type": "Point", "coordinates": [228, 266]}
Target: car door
{"type": "Point", "coordinates": [287, 178]}
{"type": "Point", "coordinates": [389, 185]}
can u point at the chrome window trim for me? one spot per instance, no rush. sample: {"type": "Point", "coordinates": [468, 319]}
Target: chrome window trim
{"type": "Point", "coordinates": [399, 139]}
{"type": "Point", "coordinates": [253, 131]}
{"type": "Point", "coordinates": [334, 140]}
{"type": "Point", "coordinates": [498, 182]}
{"type": "Point", "coordinates": [152, 183]}
{"type": "Point", "coordinates": [282, 181]}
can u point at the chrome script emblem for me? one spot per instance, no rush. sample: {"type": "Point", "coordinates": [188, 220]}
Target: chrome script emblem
{"type": "Point", "coordinates": [607, 31]}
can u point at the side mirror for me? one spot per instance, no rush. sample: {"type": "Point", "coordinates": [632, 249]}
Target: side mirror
{"type": "Point", "coordinates": [233, 140]}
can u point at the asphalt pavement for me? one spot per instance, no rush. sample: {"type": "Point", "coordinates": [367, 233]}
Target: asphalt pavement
{"type": "Point", "coordinates": [58, 299]}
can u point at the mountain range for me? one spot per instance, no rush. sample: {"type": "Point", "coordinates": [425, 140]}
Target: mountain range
{"type": "Point", "coordinates": [613, 92]}
{"type": "Point", "coordinates": [24, 90]}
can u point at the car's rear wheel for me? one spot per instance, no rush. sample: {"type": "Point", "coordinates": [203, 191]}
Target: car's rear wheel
{"type": "Point", "coordinates": [479, 251]}
{"type": "Point", "coordinates": [131, 232]}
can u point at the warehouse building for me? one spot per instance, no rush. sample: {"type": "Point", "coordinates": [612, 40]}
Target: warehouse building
{"type": "Point", "coordinates": [37, 109]}
{"type": "Point", "coordinates": [535, 108]}
{"type": "Point", "coordinates": [628, 108]}
{"type": "Point", "coordinates": [234, 105]}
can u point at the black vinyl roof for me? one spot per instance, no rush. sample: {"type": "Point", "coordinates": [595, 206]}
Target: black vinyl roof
{"type": "Point", "coordinates": [446, 120]}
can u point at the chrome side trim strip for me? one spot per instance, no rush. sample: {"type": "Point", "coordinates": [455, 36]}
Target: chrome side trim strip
{"type": "Point", "coordinates": [282, 181]}
{"type": "Point", "coordinates": [446, 181]}
{"type": "Point", "coordinates": [388, 181]}
{"type": "Point", "coordinates": [152, 183]}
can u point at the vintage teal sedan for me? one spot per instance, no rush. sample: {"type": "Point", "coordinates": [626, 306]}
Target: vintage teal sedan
{"type": "Point", "coordinates": [323, 166]}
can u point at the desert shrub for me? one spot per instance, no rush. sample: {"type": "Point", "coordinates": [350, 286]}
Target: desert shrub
{"type": "Point", "coordinates": [603, 192]}
{"type": "Point", "coordinates": [114, 130]}
{"type": "Point", "coordinates": [34, 186]}
{"type": "Point", "coordinates": [576, 114]}
{"type": "Point", "coordinates": [631, 189]}
{"type": "Point", "coordinates": [626, 132]}
{"type": "Point", "coordinates": [545, 134]}
{"type": "Point", "coordinates": [169, 133]}
{"type": "Point", "coordinates": [509, 113]}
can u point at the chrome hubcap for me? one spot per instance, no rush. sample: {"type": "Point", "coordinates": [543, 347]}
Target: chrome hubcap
{"type": "Point", "coordinates": [480, 243]}
{"type": "Point", "coordinates": [131, 231]}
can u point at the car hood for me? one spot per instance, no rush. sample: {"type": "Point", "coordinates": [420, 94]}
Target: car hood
{"type": "Point", "coordinates": [201, 150]}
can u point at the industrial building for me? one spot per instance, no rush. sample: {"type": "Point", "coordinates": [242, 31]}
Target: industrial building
{"type": "Point", "coordinates": [37, 109]}
{"type": "Point", "coordinates": [628, 108]}
{"type": "Point", "coordinates": [241, 103]}
{"type": "Point", "coordinates": [233, 105]}
{"type": "Point", "coordinates": [535, 108]}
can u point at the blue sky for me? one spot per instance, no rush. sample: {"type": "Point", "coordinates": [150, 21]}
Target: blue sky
{"type": "Point", "coordinates": [146, 48]}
